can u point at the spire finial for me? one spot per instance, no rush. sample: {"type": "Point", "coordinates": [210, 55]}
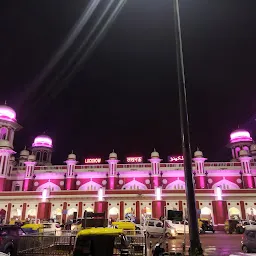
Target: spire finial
{"type": "Point", "coordinates": [72, 152]}
{"type": "Point", "coordinates": [197, 148]}
{"type": "Point", "coordinates": [25, 147]}
{"type": "Point", "coordinates": [113, 151]}
{"type": "Point", "coordinates": [154, 149]}
{"type": "Point", "coordinates": [5, 102]}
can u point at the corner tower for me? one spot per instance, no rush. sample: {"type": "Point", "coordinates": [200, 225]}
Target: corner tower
{"type": "Point", "coordinates": [42, 149]}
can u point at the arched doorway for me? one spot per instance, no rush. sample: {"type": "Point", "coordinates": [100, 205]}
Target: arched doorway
{"type": "Point", "coordinates": [89, 209]}
{"type": "Point", "coordinates": [234, 213]}
{"type": "Point", "coordinates": [251, 213]}
{"type": "Point", "coordinates": [113, 214]}
{"type": "Point", "coordinates": [31, 214]}
{"type": "Point", "coordinates": [129, 213]}
{"type": "Point", "coordinates": [56, 215]}
{"type": "Point", "coordinates": [16, 214]}
{"type": "Point", "coordinates": [2, 215]}
{"type": "Point", "coordinates": [70, 215]}
{"type": "Point", "coordinates": [146, 213]}
{"type": "Point", "coordinates": [206, 213]}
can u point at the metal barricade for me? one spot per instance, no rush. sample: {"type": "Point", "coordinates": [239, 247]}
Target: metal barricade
{"type": "Point", "coordinates": [45, 245]}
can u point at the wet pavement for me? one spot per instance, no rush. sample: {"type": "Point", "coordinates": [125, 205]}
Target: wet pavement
{"type": "Point", "coordinates": [218, 244]}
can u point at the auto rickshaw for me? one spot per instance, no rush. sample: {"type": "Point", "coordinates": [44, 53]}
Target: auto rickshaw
{"type": "Point", "coordinates": [205, 225]}
{"type": "Point", "coordinates": [33, 228]}
{"type": "Point", "coordinates": [100, 242]}
{"type": "Point", "coordinates": [128, 227]}
{"type": "Point", "coordinates": [233, 226]}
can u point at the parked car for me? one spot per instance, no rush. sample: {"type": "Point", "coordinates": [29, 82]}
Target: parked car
{"type": "Point", "coordinates": [249, 240]}
{"type": "Point", "coordinates": [9, 238]}
{"type": "Point", "coordinates": [158, 228]}
{"type": "Point", "coordinates": [180, 226]}
{"type": "Point", "coordinates": [137, 226]}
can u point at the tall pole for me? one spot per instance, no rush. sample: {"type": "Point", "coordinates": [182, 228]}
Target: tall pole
{"type": "Point", "coordinates": [195, 245]}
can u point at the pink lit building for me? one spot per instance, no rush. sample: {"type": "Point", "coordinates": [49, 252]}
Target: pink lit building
{"type": "Point", "coordinates": [31, 187]}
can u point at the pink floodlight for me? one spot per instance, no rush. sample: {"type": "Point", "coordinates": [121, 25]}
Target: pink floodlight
{"type": "Point", "coordinates": [7, 113]}
{"type": "Point", "coordinates": [240, 135]}
{"type": "Point", "coordinates": [42, 141]}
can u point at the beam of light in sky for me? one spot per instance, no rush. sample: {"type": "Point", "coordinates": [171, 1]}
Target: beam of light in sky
{"type": "Point", "coordinates": [100, 35]}
{"type": "Point", "coordinates": [52, 85]}
{"type": "Point", "coordinates": [75, 31]}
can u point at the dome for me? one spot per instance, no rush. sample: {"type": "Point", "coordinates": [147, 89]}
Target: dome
{"type": "Point", "coordinates": [253, 147]}
{"type": "Point", "coordinates": [31, 158]}
{"type": "Point", "coordinates": [154, 154]}
{"type": "Point", "coordinates": [71, 156]}
{"type": "Point", "coordinates": [42, 141]}
{"type": "Point", "coordinates": [5, 144]}
{"type": "Point", "coordinates": [24, 152]}
{"type": "Point", "coordinates": [198, 153]}
{"type": "Point", "coordinates": [243, 153]}
{"type": "Point", "coordinates": [7, 113]}
{"type": "Point", "coordinates": [240, 135]}
{"type": "Point", "coordinates": [113, 155]}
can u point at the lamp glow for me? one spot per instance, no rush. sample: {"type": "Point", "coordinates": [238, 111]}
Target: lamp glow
{"type": "Point", "coordinates": [158, 193]}
{"type": "Point", "coordinates": [100, 194]}
{"type": "Point", "coordinates": [240, 135]}
{"type": "Point", "coordinates": [218, 193]}
{"type": "Point", "coordinates": [45, 195]}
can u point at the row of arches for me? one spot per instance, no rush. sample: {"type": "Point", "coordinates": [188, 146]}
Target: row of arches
{"type": "Point", "coordinates": [136, 185]}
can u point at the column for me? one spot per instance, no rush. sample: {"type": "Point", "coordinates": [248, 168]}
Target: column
{"type": "Point", "coordinates": [23, 214]}
{"type": "Point", "coordinates": [71, 177]}
{"type": "Point", "coordinates": [155, 168]}
{"type": "Point", "coordinates": [200, 177]}
{"type": "Point", "coordinates": [64, 212]}
{"type": "Point", "coordinates": [121, 210]}
{"type": "Point", "coordinates": [4, 166]}
{"type": "Point", "coordinates": [80, 210]}
{"type": "Point", "coordinates": [29, 174]}
{"type": "Point", "coordinates": [245, 160]}
{"type": "Point", "coordinates": [100, 207]}
{"type": "Point", "coordinates": [8, 212]}
{"type": "Point", "coordinates": [243, 210]}
{"type": "Point", "coordinates": [158, 209]}
{"type": "Point", "coordinates": [138, 212]}
{"type": "Point", "coordinates": [112, 168]}
{"type": "Point", "coordinates": [180, 206]}
{"type": "Point", "coordinates": [44, 211]}
{"type": "Point", "coordinates": [220, 214]}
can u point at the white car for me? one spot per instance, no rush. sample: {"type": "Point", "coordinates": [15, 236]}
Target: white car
{"type": "Point", "coordinates": [51, 227]}
{"type": "Point", "coordinates": [180, 226]}
{"type": "Point", "coordinates": [157, 228]}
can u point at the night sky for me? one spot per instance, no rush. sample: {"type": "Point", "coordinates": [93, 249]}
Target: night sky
{"type": "Point", "coordinates": [124, 96]}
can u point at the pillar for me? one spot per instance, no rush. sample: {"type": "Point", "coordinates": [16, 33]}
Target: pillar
{"type": "Point", "coordinates": [158, 209]}
{"type": "Point", "coordinates": [2, 183]}
{"type": "Point", "coordinates": [80, 210]}
{"type": "Point", "coordinates": [138, 212]}
{"type": "Point", "coordinates": [112, 182]}
{"type": "Point", "coordinates": [71, 183]}
{"type": "Point", "coordinates": [200, 177]}
{"type": "Point", "coordinates": [29, 174]}
{"type": "Point", "coordinates": [248, 181]}
{"type": "Point", "coordinates": [71, 177]}
{"type": "Point", "coordinates": [220, 214]}
{"type": "Point", "coordinates": [23, 214]}
{"type": "Point", "coordinates": [8, 212]}
{"type": "Point", "coordinates": [155, 168]}
{"type": "Point", "coordinates": [247, 177]}
{"type": "Point", "coordinates": [121, 210]}
{"type": "Point", "coordinates": [44, 211]}
{"type": "Point", "coordinates": [200, 181]}
{"type": "Point", "coordinates": [243, 210]}
{"type": "Point", "coordinates": [180, 206]}
{"type": "Point", "coordinates": [101, 206]}
{"type": "Point", "coordinates": [112, 169]}
{"type": "Point", "coordinates": [64, 212]}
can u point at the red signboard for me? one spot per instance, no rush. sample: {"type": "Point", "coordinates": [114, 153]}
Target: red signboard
{"type": "Point", "coordinates": [134, 159]}
{"type": "Point", "coordinates": [92, 160]}
{"type": "Point", "coordinates": [175, 159]}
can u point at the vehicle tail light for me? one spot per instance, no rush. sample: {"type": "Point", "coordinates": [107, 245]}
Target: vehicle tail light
{"type": "Point", "coordinates": [57, 226]}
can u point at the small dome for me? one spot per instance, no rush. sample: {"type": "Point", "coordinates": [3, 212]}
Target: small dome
{"type": "Point", "coordinates": [71, 156]}
{"type": "Point", "coordinates": [113, 155]}
{"type": "Point", "coordinates": [253, 147]}
{"type": "Point", "coordinates": [243, 153]}
{"type": "Point", "coordinates": [12, 158]}
{"type": "Point", "coordinates": [32, 158]}
{"type": "Point", "coordinates": [24, 152]}
{"type": "Point", "coordinates": [154, 154]}
{"type": "Point", "coordinates": [198, 153]}
{"type": "Point", "coordinates": [5, 144]}
{"type": "Point", "coordinates": [7, 113]}
{"type": "Point", "coordinates": [239, 136]}
{"type": "Point", "coordinates": [42, 141]}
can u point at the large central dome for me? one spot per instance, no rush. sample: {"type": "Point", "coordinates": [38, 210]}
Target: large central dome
{"type": "Point", "coordinates": [7, 113]}
{"type": "Point", "coordinates": [240, 135]}
{"type": "Point", "coordinates": [42, 141]}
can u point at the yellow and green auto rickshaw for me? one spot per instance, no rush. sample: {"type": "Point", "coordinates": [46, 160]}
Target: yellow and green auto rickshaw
{"type": "Point", "coordinates": [128, 227]}
{"type": "Point", "coordinates": [33, 228]}
{"type": "Point", "coordinates": [100, 242]}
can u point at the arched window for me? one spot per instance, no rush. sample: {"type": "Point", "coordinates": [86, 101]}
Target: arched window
{"type": "Point", "coordinates": [38, 155]}
{"type": "Point", "coordinates": [3, 133]}
{"type": "Point", "coordinates": [17, 187]}
{"type": "Point", "coordinates": [45, 156]}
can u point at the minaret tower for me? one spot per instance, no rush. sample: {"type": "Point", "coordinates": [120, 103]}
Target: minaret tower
{"type": "Point", "coordinates": [245, 159]}
{"type": "Point", "coordinates": [29, 174]}
{"type": "Point", "coordinates": [23, 157]}
{"type": "Point", "coordinates": [8, 126]}
{"type": "Point", "coordinates": [42, 149]}
{"type": "Point", "coordinates": [70, 176]}
{"type": "Point", "coordinates": [112, 175]}
{"type": "Point", "coordinates": [155, 165]}
{"type": "Point", "coordinates": [200, 177]}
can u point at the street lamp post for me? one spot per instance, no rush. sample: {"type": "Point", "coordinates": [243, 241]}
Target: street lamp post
{"type": "Point", "coordinates": [195, 245]}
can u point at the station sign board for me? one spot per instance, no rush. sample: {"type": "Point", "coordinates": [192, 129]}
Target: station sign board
{"type": "Point", "coordinates": [134, 159]}
{"type": "Point", "coordinates": [92, 160]}
{"type": "Point", "coordinates": [175, 159]}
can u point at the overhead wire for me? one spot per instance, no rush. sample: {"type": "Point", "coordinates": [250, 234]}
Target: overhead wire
{"type": "Point", "coordinates": [69, 40]}
{"type": "Point", "coordinates": [94, 44]}
{"type": "Point", "coordinates": [72, 59]}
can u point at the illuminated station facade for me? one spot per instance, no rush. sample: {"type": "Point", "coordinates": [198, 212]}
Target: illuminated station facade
{"type": "Point", "coordinates": [32, 188]}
